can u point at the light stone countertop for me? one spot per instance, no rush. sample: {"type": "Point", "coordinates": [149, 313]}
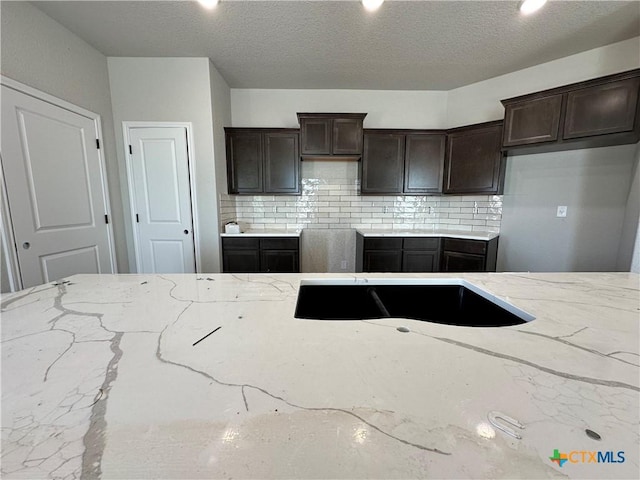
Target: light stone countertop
{"type": "Point", "coordinates": [101, 379]}
{"type": "Point", "coordinates": [475, 235]}
{"type": "Point", "coordinates": [265, 233]}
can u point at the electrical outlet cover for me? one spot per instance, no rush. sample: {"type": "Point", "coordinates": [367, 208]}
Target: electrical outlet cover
{"type": "Point", "coordinates": [562, 211]}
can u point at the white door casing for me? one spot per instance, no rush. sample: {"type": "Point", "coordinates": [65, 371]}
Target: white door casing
{"type": "Point", "coordinates": [56, 188]}
{"type": "Point", "coordinates": [161, 198]}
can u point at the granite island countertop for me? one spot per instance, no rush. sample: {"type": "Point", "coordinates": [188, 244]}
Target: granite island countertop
{"type": "Point", "coordinates": [119, 376]}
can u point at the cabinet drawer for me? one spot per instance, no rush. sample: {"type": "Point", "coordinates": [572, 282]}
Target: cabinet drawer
{"type": "Point", "coordinates": [240, 243]}
{"type": "Point", "coordinates": [279, 243]}
{"type": "Point", "coordinates": [478, 247]}
{"type": "Point", "coordinates": [421, 243]}
{"type": "Point", "coordinates": [374, 243]}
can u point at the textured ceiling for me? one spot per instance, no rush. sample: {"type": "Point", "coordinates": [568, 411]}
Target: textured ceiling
{"type": "Point", "coordinates": [406, 45]}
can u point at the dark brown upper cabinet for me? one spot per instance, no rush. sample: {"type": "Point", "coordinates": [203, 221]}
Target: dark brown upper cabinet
{"type": "Point", "coordinates": [263, 160]}
{"type": "Point", "coordinates": [402, 162]}
{"type": "Point", "coordinates": [424, 163]}
{"type": "Point", "coordinates": [596, 113]}
{"type": "Point", "coordinates": [532, 121]}
{"type": "Point", "coordinates": [602, 109]}
{"type": "Point", "coordinates": [331, 134]}
{"type": "Point", "coordinates": [474, 162]}
{"type": "Point", "coordinates": [382, 163]}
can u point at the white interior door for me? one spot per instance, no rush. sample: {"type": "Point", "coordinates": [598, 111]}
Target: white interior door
{"type": "Point", "coordinates": [161, 194]}
{"type": "Point", "coordinates": [56, 190]}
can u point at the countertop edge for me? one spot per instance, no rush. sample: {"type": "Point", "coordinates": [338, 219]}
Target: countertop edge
{"type": "Point", "coordinates": [486, 236]}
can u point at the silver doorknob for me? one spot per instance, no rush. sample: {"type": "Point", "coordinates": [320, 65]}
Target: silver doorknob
{"type": "Point", "coordinates": [26, 245]}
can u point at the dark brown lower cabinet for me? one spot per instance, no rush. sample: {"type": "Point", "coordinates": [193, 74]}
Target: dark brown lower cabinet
{"type": "Point", "coordinates": [381, 254]}
{"type": "Point", "coordinates": [462, 262]}
{"type": "Point", "coordinates": [420, 254]}
{"type": "Point", "coordinates": [261, 255]}
{"type": "Point", "coordinates": [279, 255]}
{"type": "Point", "coordinates": [241, 261]}
{"type": "Point", "coordinates": [420, 261]}
{"type": "Point", "coordinates": [462, 255]}
{"type": "Point", "coordinates": [397, 254]}
{"type": "Point", "coordinates": [383, 261]}
{"type": "Point", "coordinates": [424, 254]}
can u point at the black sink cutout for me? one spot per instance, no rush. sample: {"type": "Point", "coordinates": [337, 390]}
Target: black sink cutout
{"type": "Point", "coordinates": [455, 303]}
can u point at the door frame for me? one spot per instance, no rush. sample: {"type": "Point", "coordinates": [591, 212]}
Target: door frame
{"type": "Point", "coordinates": [126, 127]}
{"type": "Point", "coordinates": [10, 249]}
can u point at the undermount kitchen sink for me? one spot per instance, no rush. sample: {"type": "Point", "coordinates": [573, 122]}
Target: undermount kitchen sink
{"type": "Point", "coordinates": [451, 301]}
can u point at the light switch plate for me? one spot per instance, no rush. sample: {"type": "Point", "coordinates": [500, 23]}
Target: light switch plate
{"type": "Point", "coordinates": [562, 211]}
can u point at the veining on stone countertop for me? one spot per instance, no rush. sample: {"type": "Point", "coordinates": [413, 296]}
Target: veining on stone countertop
{"type": "Point", "coordinates": [101, 379]}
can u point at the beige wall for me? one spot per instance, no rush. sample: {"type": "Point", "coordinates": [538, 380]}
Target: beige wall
{"type": "Point", "coordinates": [480, 102]}
{"type": "Point", "coordinates": [174, 90]}
{"type": "Point", "coordinates": [384, 108]}
{"type": "Point", "coordinates": [39, 52]}
{"type": "Point", "coordinates": [629, 251]}
{"type": "Point", "coordinates": [593, 184]}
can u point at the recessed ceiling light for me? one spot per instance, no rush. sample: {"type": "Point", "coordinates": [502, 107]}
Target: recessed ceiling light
{"type": "Point", "coordinates": [372, 5]}
{"type": "Point", "coordinates": [208, 3]}
{"type": "Point", "coordinates": [530, 6]}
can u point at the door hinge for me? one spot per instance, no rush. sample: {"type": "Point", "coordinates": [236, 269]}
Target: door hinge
{"type": "Point", "coordinates": [98, 143]}
{"type": "Point", "coordinates": [130, 150]}
{"type": "Point", "coordinates": [106, 218]}
{"type": "Point", "coordinates": [137, 218]}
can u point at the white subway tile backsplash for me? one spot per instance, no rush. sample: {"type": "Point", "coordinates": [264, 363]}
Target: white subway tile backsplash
{"type": "Point", "coordinates": [334, 202]}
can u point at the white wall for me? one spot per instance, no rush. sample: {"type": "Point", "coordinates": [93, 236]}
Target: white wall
{"type": "Point", "coordinates": [221, 113]}
{"type": "Point", "coordinates": [384, 109]}
{"type": "Point", "coordinates": [593, 184]}
{"type": "Point", "coordinates": [480, 102]}
{"type": "Point", "coordinates": [174, 90]}
{"type": "Point", "coordinates": [629, 238]}
{"type": "Point", "coordinates": [39, 52]}
{"type": "Point", "coordinates": [635, 261]}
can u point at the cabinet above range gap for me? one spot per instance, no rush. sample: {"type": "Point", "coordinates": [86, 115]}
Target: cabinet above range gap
{"type": "Point", "coordinates": [596, 113]}
{"type": "Point", "coordinates": [331, 136]}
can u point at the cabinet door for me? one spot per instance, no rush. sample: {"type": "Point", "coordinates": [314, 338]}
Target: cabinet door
{"type": "Point", "coordinates": [280, 261]}
{"type": "Point", "coordinates": [532, 121]}
{"type": "Point", "coordinates": [244, 162]}
{"type": "Point", "coordinates": [419, 261]}
{"type": "Point", "coordinates": [382, 260]}
{"type": "Point", "coordinates": [281, 163]}
{"type": "Point", "coordinates": [462, 262]}
{"type": "Point", "coordinates": [424, 163]}
{"type": "Point", "coordinates": [316, 136]}
{"type": "Point", "coordinates": [347, 136]}
{"type": "Point", "coordinates": [473, 163]}
{"type": "Point", "coordinates": [601, 109]}
{"type": "Point", "coordinates": [240, 261]}
{"type": "Point", "coordinates": [382, 163]}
